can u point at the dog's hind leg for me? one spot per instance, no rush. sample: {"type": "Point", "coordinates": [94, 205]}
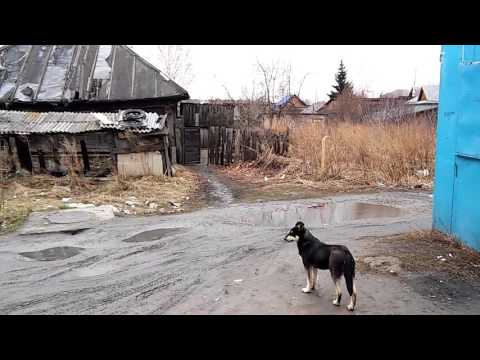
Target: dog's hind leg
{"type": "Point", "coordinates": [350, 282]}
{"type": "Point", "coordinates": [352, 291]}
{"type": "Point", "coordinates": [353, 298]}
{"type": "Point", "coordinates": [309, 287]}
{"type": "Point", "coordinates": [313, 278]}
{"type": "Point", "coordinates": [336, 272]}
{"type": "Point", "coordinates": [338, 290]}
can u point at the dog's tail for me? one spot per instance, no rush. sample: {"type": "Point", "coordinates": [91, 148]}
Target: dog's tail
{"type": "Point", "coordinates": [349, 273]}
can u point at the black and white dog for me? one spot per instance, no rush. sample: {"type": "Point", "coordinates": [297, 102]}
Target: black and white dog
{"type": "Point", "coordinates": [317, 255]}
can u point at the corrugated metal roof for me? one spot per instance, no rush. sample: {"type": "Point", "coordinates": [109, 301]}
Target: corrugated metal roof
{"type": "Point", "coordinates": [18, 122]}
{"type": "Point", "coordinates": [55, 73]}
{"type": "Point", "coordinates": [404, 111]}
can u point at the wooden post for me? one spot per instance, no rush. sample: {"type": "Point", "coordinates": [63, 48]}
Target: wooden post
{"type": "Point", "coordinates": [167, 158]}
{"type": "Point", "coordinates": [324, 139]}
{"type": "Point", "coordinates": [14, 151]}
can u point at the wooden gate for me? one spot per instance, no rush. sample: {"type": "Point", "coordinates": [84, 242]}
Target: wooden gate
{"type": "Point", "coordinates": [191, 145]}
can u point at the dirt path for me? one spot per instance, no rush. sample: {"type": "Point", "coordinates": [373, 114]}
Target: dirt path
{"type": "Point", "coordinates": [215, 192]}
{"type": "Point", "coordinates": [226, 259]}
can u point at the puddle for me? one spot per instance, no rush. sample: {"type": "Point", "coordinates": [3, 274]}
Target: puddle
{"type": "Point", "coordinates": [153, 235]}
{"type": "Point", "coordinates": [55, 253]}
{"type": "Point", "coordinates": [318, 215]}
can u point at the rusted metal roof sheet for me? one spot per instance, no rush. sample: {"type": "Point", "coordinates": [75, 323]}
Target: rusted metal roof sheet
{"type": "Point", "coordinates": [23, 123]}
{"type": "Point", "coordinates": [66, 73]}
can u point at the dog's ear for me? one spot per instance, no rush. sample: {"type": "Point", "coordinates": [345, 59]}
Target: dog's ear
{"type": "Point", "coordinates": [300, 226]}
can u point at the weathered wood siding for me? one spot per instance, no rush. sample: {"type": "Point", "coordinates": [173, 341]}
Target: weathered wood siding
{"type": "Point", "coordinates": [140, 164]}
{"type": "Point", "coordinates": [206, 115]}
{"type": "Point", "coordinates": [48, 151]}
{"type": "Point", "coordinates": [101, 150]}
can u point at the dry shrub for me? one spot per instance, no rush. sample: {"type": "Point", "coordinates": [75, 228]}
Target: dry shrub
{"type": "Point", "coordinates": [268, 160]}
{"type": "Point", "coordinates": [390, 153]}
{"type": "Point", "coordinates": [72, 162]}
{"type": "Point", "coordinates": [277, 124]}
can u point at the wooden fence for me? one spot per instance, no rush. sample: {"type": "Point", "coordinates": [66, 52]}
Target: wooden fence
{"type": "Point", "coordinates": [226, 145]}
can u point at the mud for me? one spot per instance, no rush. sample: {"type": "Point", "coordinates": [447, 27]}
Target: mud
{"type": "Point", "coordinates": [197, 269]}
{"type": "Point", "coordinates": [214, 190]}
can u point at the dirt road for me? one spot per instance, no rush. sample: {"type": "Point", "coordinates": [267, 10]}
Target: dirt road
{"type": "Point", "coordinates": [225, 259]}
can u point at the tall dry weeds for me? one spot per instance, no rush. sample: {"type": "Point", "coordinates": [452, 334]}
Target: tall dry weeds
{"type": "Point", "coordinates": [71, 161]}
{"type": "Point", "coordinates": [390, 153]}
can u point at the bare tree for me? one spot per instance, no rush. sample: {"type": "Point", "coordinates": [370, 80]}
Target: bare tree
{"type": "Point", "coordinates": [278, 80]}
{"type": "Point", "coordinates": [272, 81]}
{"type": "Point", "coordinates": [175, 62]}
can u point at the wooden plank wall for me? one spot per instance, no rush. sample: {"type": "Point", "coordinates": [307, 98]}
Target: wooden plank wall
{"type": "Point", "coordinates": [140, 164]}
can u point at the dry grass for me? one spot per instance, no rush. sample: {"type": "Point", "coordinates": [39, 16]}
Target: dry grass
{"type": "Point", "coordinates": [422, 251]}
{"type": "Point", "coordinates": [145, 195]}
{"type": "Point", "coordinates": [71, 161]}
{"type": "Point", "coordinates": [358, 157]}
{"type": "Point", "coordinates": [387, 153]}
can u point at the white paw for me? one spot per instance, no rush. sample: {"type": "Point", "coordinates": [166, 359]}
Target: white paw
{"type": "Point", "coordinates": [335, 302]}
{"type": "Point", "coordinates": [350, 307]}
{"type": "Point", "coordinates": [306, 290]}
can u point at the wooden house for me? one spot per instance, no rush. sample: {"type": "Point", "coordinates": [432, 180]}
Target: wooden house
{"type": "Point", "coordinates": [79, 79]}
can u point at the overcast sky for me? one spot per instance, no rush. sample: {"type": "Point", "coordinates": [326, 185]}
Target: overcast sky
{"type": "Point", "coordinates": [377, 68]}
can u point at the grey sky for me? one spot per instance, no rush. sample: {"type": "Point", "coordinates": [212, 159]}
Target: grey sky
{"type": "Point", "coordinates": [377, 68]}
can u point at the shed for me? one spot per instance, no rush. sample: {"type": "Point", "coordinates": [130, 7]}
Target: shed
{"type": "Point", "coordinates": [39, 142]}
{"type": "Point", "coordinates": [456, 196]}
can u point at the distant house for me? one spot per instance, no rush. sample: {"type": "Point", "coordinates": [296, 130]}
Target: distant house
{"type": "Point", "coordinates": [399, 93]}
{"type": "Point", "coordinates": [393, 106]}
{"type": "Point", "coordinates": [313, 109]}
{"type": "Point", "coordinates": [290, 104]}
{"type": "Point", "coordinates": [429, 93]}
{"type": "Point", "coordinates": [359, 108]}
{"type": "Point", "coordinates": [422, 102]}
{"type": "Point", "coordinates": [51, 79]}
{"type": "Point", "coordinates": [294, 110]}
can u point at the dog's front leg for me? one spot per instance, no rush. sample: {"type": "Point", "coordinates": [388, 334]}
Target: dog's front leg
{"type": "Point", "coordinates": [313, 278]}
{"type": "Point", "coordinates": [308, 288]}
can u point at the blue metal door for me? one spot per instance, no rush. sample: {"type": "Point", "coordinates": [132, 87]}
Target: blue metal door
{"type": "Point", "coordinates": [466, 201]}
{"type": "Point", "coordinates": [466, 190]}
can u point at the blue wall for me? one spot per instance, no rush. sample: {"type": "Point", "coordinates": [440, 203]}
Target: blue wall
{"type": "Point", "coordinates": [456, 202]}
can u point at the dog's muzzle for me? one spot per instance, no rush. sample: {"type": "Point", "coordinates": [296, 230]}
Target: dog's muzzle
{"type": "Point", "coordinates": [291, 238]}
